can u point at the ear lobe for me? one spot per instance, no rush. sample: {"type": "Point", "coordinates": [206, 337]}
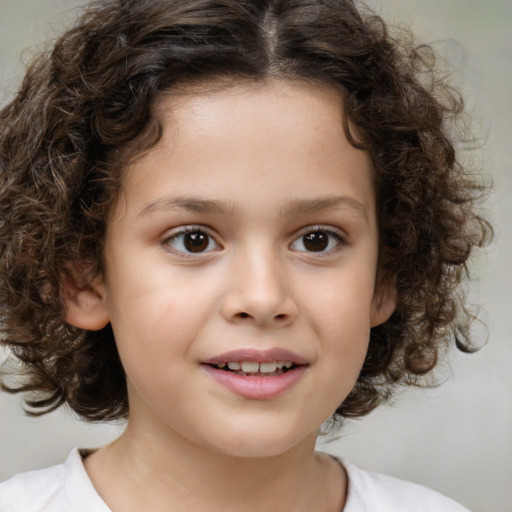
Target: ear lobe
{"type": "Point", "coordinates": [384, 302]}
{"type": "Point", "coordinates": [85, 305]}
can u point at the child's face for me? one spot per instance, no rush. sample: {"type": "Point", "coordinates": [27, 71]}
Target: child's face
{"type": "Point", "coordinates": [249, 230]}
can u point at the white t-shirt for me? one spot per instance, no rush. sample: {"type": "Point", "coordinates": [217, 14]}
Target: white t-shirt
{"type": "Point", "coordinates": [67, 488]}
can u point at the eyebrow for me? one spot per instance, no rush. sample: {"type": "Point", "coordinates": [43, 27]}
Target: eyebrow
{"type": "Point", "coordinates": [294, 207]}
{"type": "Point", "coordinates": [193, 204]}
{"type": "Point", "coordinates": [320, 204]}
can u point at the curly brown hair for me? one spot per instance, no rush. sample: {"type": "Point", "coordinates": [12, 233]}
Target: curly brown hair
{"type": "Point", "coordinates": [85, 108]}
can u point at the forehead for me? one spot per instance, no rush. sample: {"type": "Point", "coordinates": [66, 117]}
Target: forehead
{"type": "Point", "coordinates": [271, 137]}
{"type": "Point", "coordinates": [298, 107]}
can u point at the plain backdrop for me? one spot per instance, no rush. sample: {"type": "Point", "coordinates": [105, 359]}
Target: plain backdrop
{"type": "Point", "coordinates": [456, 438]}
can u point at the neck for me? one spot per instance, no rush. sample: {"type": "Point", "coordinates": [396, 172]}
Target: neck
{"type": "Point", "coordinates": [147, 469]}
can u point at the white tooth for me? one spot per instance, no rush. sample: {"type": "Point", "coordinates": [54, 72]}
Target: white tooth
{"type": "Point", "coordinates": [280, 364]}
{"type": "Point", "coordinates": [250, 367]}
{"type": "Point", "coordinates": [268, 367]}
{"type": "Point", "coordinates": [288, 364]}
{"type": "Point", "coordinates": [233, 365]}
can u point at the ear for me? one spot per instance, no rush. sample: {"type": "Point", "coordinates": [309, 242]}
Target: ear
{"type": "Point", "coordinates": [84, 297]}
{"type": "Point", "coordinates": [384, 301]}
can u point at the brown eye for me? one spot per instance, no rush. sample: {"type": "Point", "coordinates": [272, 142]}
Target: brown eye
{"type": "Point", "coordinates": [317, 240]}
{"type": "Point", "coordinates": [196, 241]}
{"type": "Point", "coordinates": [193, 241]}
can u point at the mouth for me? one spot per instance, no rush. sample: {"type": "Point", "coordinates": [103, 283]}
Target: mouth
{"type": "Point", "coordinates": [255, 368]}
{"type": "Point", "coordinates": [257, 374]}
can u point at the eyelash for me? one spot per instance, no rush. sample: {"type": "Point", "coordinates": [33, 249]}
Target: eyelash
{"type": "Point", "coordinates": [331, 233]}
{"type": "Point", "coordinates": [337, 235]}
{"type": "Point", "coordinates": [181, 232]}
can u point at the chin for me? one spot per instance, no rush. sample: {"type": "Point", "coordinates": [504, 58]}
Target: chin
{"type": "Point", "coordinates": [260, 443]}
{"type": "Point", "coordinates": [256, 451]}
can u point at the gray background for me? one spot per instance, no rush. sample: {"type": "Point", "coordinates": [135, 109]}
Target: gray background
{"type": "Point", "coordinates": [456, 438]}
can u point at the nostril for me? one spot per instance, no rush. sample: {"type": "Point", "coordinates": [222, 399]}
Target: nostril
{"type": "Point", "coordinates": [280, 317]}
{"type": "Point", "coordinates": [243, 315]}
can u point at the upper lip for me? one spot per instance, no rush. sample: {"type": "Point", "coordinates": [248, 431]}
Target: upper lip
{"type": "Point", "coordinates": [257, 356]}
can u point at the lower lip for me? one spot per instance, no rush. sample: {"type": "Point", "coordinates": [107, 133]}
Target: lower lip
{"type": "Point", "coordinates": [257, 388]}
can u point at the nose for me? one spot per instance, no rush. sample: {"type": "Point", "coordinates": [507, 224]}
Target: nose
{"type": "Point", "coordinates": [259, 292]}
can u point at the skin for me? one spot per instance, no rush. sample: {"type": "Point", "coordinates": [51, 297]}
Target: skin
{"type": "Point", "coordinates": [274, 160]}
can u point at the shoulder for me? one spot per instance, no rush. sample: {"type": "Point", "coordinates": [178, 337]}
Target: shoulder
{"type": "Point", "coordinates": [62, 488]}
{"type": "Point", "coordinates": [369, 492]}
{"type": "Point", "coordinates": [34, 491]}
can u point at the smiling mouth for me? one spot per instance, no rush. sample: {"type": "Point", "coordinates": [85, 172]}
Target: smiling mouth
{"type": "Point", "coordinates": [255, 369]}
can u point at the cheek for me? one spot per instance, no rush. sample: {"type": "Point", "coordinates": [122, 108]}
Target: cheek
{"type": "Point", "coordinates": [340, 315]}
{"type": "Point", "coordinates": [154, 335]}
{"type": "Point", "coordinates": [156, 321]}
{"type": "Point", "coordinates": [341, 304]}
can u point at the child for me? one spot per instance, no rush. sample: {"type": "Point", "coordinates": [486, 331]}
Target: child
{"type": "Point", "coordinates": [227, 222]}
